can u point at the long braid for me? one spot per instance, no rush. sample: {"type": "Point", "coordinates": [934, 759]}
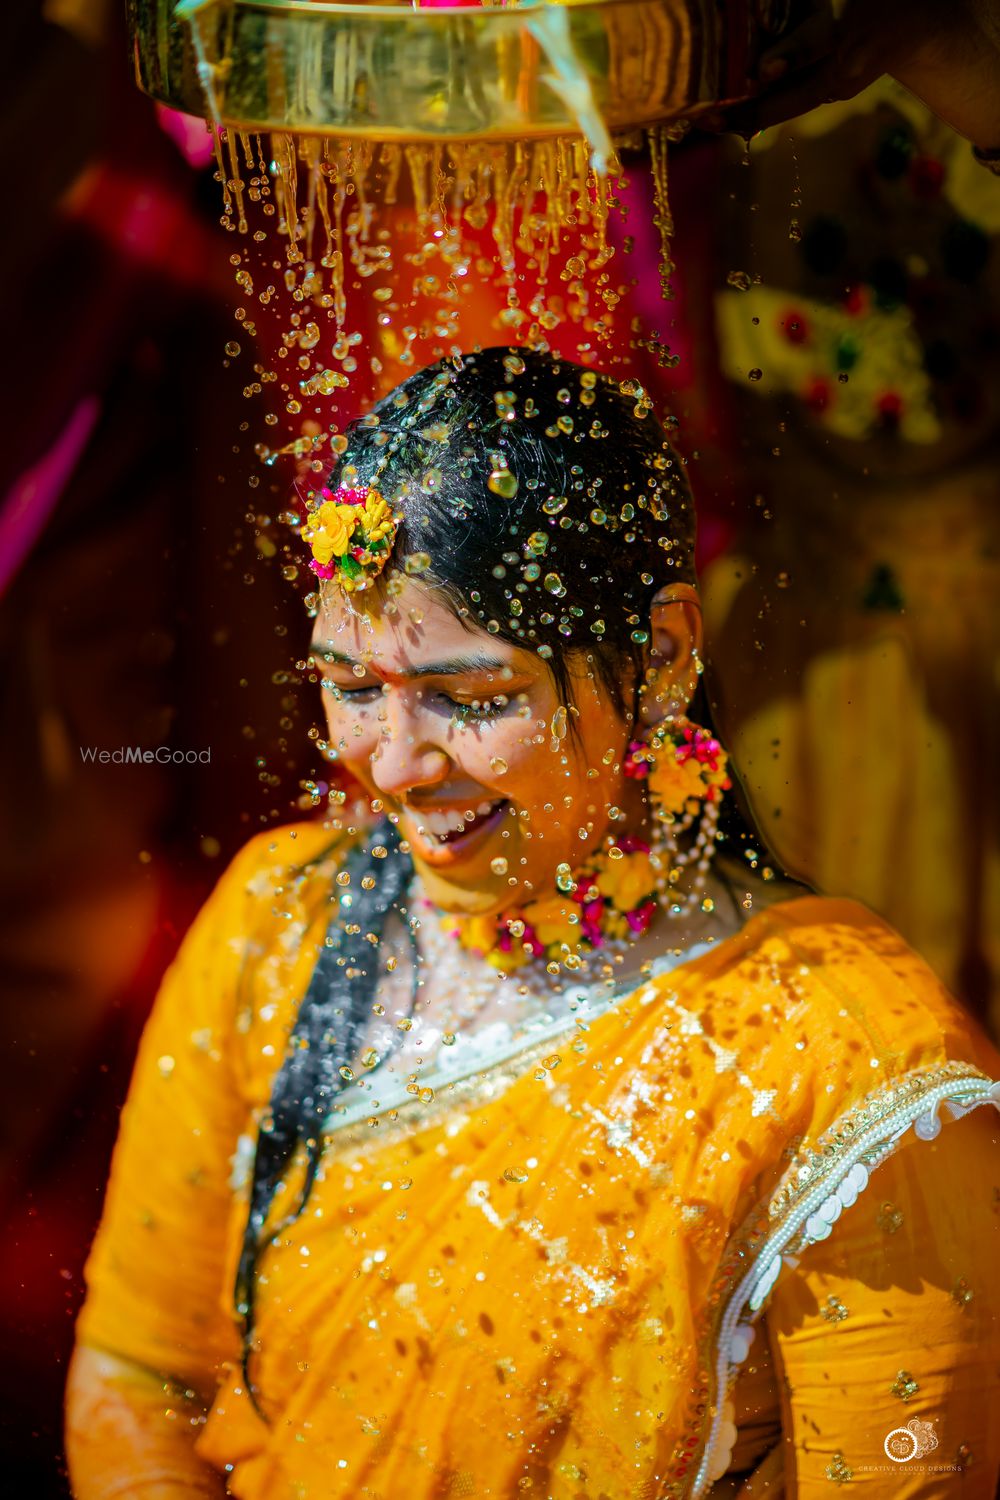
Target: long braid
{"type": "Point", "coordinates": [323, 1039]}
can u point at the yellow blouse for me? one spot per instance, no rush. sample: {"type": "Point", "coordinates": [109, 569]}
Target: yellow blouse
{"type": "Point", "coordinates": [643, 1259]}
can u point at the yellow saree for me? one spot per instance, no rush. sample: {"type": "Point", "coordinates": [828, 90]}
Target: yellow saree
{"type": "Point", "coordinates": [543, 1279]}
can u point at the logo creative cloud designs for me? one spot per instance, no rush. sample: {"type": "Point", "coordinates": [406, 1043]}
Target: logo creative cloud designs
{"type": "Point", "coordinates": [912, 1441]}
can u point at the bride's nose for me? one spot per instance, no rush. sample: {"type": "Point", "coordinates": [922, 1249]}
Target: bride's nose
{"type": "Point", "coordinates": [406, 756]}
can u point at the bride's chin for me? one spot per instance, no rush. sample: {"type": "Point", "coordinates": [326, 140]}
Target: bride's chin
{"type": "Point", "coordinates": [458, 900]}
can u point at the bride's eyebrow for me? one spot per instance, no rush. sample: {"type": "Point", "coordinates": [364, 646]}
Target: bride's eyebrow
{"type": "Point", "coordinates": [331, 654]}
{"type": "Point", "coordinates": [456, 666]}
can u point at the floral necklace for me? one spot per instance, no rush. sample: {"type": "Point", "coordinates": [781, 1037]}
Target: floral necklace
{"type": "Point", "coordinates": [613, 897]}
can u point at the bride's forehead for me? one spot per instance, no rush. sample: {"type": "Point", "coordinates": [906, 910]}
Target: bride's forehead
{"type": "Point", "coordinates": [398, 631]}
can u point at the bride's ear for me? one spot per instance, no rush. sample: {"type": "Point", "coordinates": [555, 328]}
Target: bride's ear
{"type": "Point", "coordinates": [673, 653]}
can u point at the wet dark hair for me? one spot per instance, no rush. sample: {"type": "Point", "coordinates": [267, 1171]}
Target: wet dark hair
{"type": "Point", "coordinates": [322, 1041]}
{"type": "Point", "coordinates": [542, 499]}
{"type": "Point", "coordinates": [546, 504]}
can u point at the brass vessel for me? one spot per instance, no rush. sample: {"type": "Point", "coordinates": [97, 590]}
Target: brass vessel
{"type": "Point", "coordinates": [392, 72]}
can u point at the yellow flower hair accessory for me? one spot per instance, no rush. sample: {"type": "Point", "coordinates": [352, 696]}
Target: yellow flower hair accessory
{"type": "Point", "coordinates": [350, 534]}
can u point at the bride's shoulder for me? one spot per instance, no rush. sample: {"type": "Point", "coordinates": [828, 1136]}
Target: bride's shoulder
{"type": "Point", "coordinates": [823, 950]}
{"type": "Point", "coordinates": [281, 860]}
{"type": "Point", "coordinates": [832, 980]}
{"type": "Point", "coordinates": [276, 887]}
{"type": "Point", "coordinates": [814, 1008]}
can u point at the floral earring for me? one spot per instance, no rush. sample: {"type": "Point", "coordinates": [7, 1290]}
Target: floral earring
{"type": "Point", "coordinates": [685, 771]}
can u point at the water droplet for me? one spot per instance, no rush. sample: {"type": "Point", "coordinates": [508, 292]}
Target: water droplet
{"type": "Point", "coordinates": [498, 765]}
{"type": "Point", "coordinates": [347, 1073]}
{"type": "Point", "coordinates": [554, 504]}
{"type": "Point", "coordinates": [537, 544]}
{"type": "Point", "coordinates": [503, 402]}
{"type": "Point", "coordinates": [560, 723]}
{"type": "Point", "coordinates": [431, 481]}
{"type": "Point", "coordinates": [324, 383]}
{"type": "Point", "coordinates": [499, 865]}
{"type": "Point", "coordinates": [503, 483]}
{"type": "Point", "coordinates": [369, 1057]}
{"type": "Point", "coordinates": [448, 1039]}
{"type": "Point", "coordinates": [415, 563]}
{"type": "Point", "coordinates": [554, 584]}
{"type": "Point", "coordinates": [755, 374]}
{"type": "Point", "coordinates": [564, 879]}
{"type": "Point", "coordinates": [232, 348]}
{"type": "Point", "coordinates": [740, 280]}
{"type": "Point", "coordinates": [514, 1174]}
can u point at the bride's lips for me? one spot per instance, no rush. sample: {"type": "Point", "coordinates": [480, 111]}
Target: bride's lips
{"type": "Point", "coordinates": [438, 844]}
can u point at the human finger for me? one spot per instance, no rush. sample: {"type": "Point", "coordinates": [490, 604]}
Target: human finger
{"type": "Point", "coordinates": [825, 82]}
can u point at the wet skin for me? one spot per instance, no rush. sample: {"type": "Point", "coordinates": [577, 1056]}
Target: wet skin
{"type": "Point", "coordinates": [449, 727]}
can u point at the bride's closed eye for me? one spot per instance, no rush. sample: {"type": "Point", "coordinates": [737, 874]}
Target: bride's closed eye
{"type": "Point", "coordinates": [481, 709]}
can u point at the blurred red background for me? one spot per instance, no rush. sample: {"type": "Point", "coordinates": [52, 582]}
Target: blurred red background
{"type": "Point", "coordinates": [137, 608]}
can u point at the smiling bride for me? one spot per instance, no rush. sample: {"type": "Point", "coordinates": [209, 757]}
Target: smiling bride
{"type": "Point", "coordinates": [517, 1131]}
